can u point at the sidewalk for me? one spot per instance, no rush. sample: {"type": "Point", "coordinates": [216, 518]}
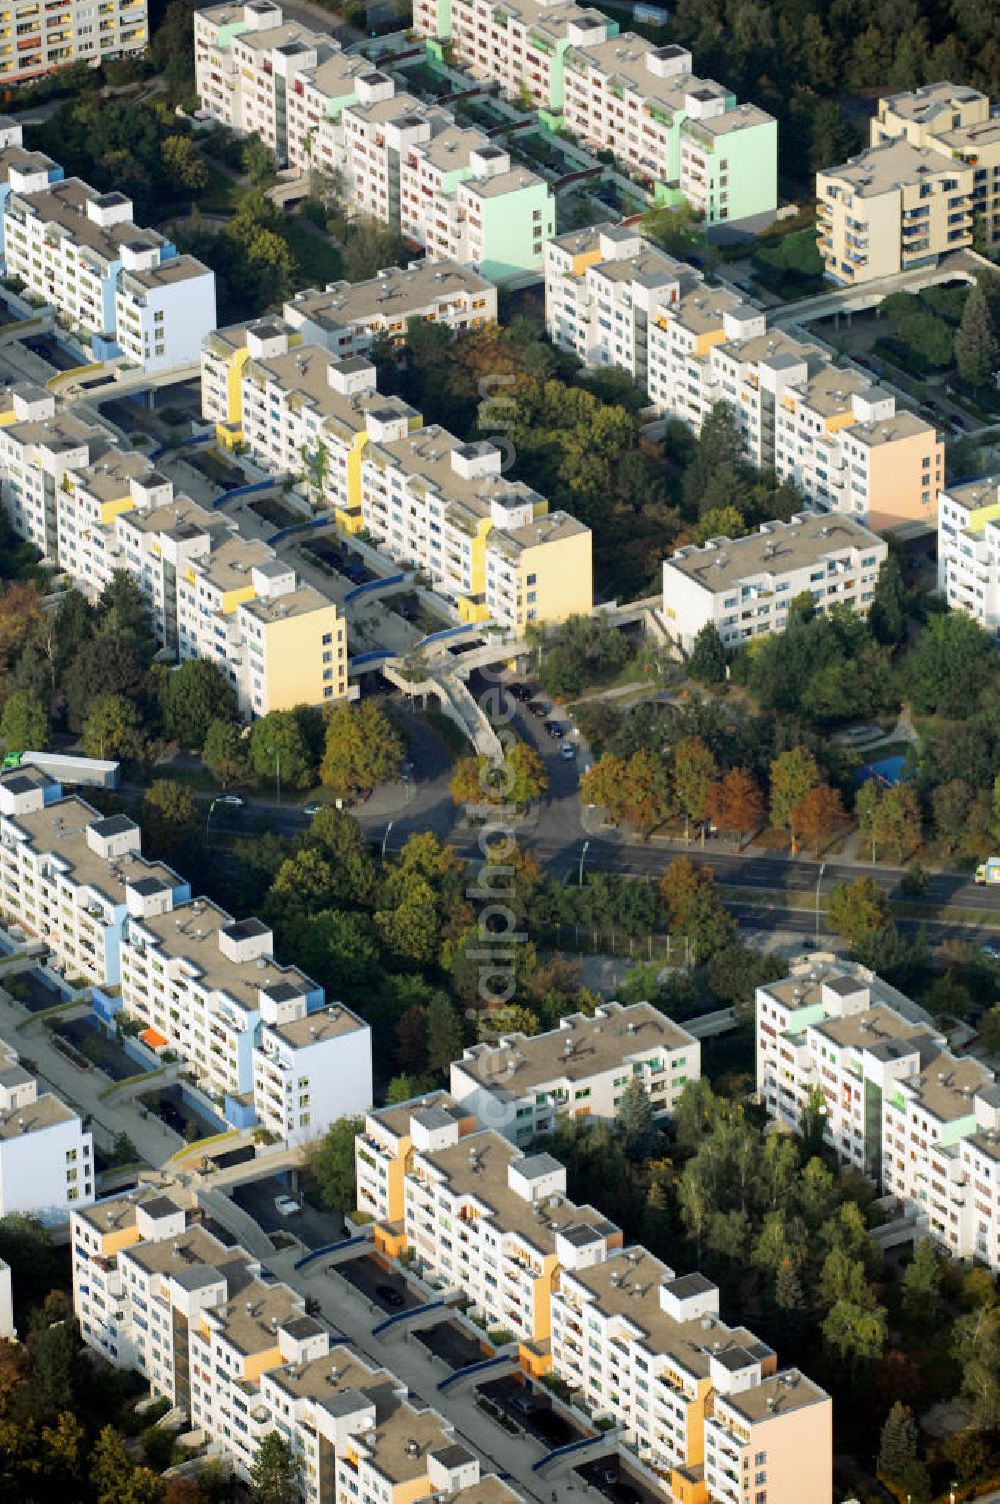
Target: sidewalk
{"type": "Point", "coordinates": [80, 1089]}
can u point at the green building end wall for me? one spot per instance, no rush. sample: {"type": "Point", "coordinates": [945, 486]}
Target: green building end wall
{"type": "Point", "coordinates": [752, 155]}
{"type": "Point", "coordinates": [508, 231]}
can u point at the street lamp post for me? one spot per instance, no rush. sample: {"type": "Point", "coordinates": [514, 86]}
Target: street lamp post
{"type": "Point", "coordinates": [385, 839]}
{"type": "Point", "coordinates": [583, 858]}
{"type": "Point", "coordinates": [277, 775]}
{"type": "Point", "coordinates": [819, 882]}
{"type": "Point", "coordinates": [208, 818]}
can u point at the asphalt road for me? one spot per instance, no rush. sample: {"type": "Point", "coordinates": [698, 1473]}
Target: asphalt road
{"type": "Point", "coordinates": [562, 834]}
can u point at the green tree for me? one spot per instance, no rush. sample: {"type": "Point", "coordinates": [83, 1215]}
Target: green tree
{"type": "Point", "coordinates": [921, 1283]}
{"type": "Point", "coordinates": [635, 1121]}
{"type": "Point", "coordinates": [276, 1471]}
{"type": "Point", "coordinates": [445, 1033]}
{"type": "Point", "coordinates": [855, 1333]}
{"type": "Point", "coordinates": [361, 750]}
{"type": "Point", "coordinates": [726, 522]}
{"type": "Point", "coordinates": [517, 779]}
{"type": "Point", "coordinates": [225, 753]}
{"type": "Point", "coordinates": [258, 159]}
{"type": "Point", "coordinates": [975, 340]}
{"type": "Point", "coordinates": [409, 922]}
{"type": "Point", "coordinates": [951, 663]}
{"type": "Point", "coordinates": [707, 659]}
{"type": "Point", "coordinates": [170, 819]}
{"type": "Point", "coordinates": [858, 908]}
{"type": "Point", "coordinates": [24, 724]}
{"type": "Point", "coordinates": [192, 698]}
{"type": "Point", "coordinates": [887, 617]}
{"type": "Point", "coordinates": [183, 163]}
{"type": "Point", "coordinates": [279, 750]}
{"type": "Point", "coordinates": [332, 1166]}
{"type": "Point", "coordinates": [694, 772]}
{"type": "Point", "coordinates": [113, 729]}
{"type": "Point", "coordinates": [793, 774]}
{"type": "Point", "coordinates": [370, 245]}
{"type": "Point", "coordinates": [898, 1444]}
{"type": "Point", "coordinates": [694, 910]}
{"type": "Point", "coordinates": [114, 1478]}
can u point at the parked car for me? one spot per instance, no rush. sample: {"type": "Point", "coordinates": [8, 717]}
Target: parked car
{"type": "Point", "coordinates": [991, 952]}
{"type": "Point", "coordinates": [538, 708]}
{"type": "Point", "coordinates": [311, 809]}
{"type": "Point", "coordinates": [520, 692]}
{"type": "Point", "coordinates": [287, 1206]}
{"type": "Point", "coordinates": [567, 751]}
{"type": "Point", "coordinates": [389, 1295]}
{"type": "Point", "coordinates": [233, 800]}
{"type": "Point", "coordinates": [554, 729]}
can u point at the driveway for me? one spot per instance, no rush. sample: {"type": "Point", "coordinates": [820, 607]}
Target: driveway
{"type": "Point", "coordinates": [383, 1287]}
{"type": "Point", "coordinates": [313, 1228]}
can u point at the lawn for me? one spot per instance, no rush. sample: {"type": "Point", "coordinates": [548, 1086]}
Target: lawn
{"type": "Point", "coordinates": [319, 260]}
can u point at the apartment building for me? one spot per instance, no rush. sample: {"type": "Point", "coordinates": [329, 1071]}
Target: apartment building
{"type": "Point", "coordinates": [702, 1404]}
{"type": "Point", "coordinates": [38, 450]}
{"type": "Point", "coordinates": [892, 208]}
{"type": "Point", "coordinates": [46, 1158]}
{"type": "Point", "coordinates": [825, 427]}
{"type": "Point", "coordinates": [489, 544]}
{"type": "Point", "coordinates": [896, 1103]}
{"type": "Point", "coordinates": [521, 1084]}
{"type": "Point", "coordinates": [123, 286]}
{"type": "Point", "coordinates": [8, 1331]}
{"type": "Point", "coordinates": [72, 877]}
{"type": "Point", "coordinates": [444, 186]}
{"type": "Point", "coordinates": [969, 550]}
{"type": "Point", "coordinates": [259, 1035]}
{"type": "Point", "coordinates": [92, 508]}
{"type": "Point", "coordinates": [448, 187]}
{"type": "Point", "coordinates": [23, 165]}
{"type": "Point", "coordinates": [156, 1291]}
{"type": "Point", "coordinates": [686, 136]}
{"type": "Point", "coordinates": [958, 121]}
{"type": "Point", "coordinates": [744, 586]}
{"type": "Point", "coordinates": [346, 317]}
{"type": "Point", "coordinates": [604, 288]}
{"type": "Point", "coordinates": [36, 38]}
{"type": "Point", "coordinates": [521, 44]}
{"type": "Point", "coordinates": [257, 73]}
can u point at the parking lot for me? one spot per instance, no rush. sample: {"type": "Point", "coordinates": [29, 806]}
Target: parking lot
{"type": "Point", "coordinates": [313, 1228]}
{"type": "Point", "coordinates": [106, 1053]}
{"type": "Point", "coordinates": [617, 1482]}
{"type": "Point", "coordinates": [453, 1345]}
{"type": "Point", "coordinates": [532, 1409]}
{"type": "Point", "coordinates": [382, 1286]}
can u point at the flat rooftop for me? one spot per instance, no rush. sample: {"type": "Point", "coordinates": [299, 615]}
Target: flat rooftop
{"type": "Point", "coordinates": [59, 829]}
{"type": "Point", "coordinates": [395, 293]}
{"type": "Point", "coordinates": [190, 933]}
{"type": "Point", "coordinates": [250, 1321]}
{"type": "Point", "coordinates": [396, 1120]}
{"type": "Point", "coordinates": [929, 102]}
{"type": "Point", "coordinates": [64, 204]}
{"type": "Point", "coordinates": [627, 1285]}
{"type": "Point", "coordinates": [894, 164]}
{"type": "Point", "coordinates": [427, 453]}
{"type": "Point", "coordinates": [333, 1022]}
{"type": "Point", "coordinates": [302, 601]}
{"type": "Point", "coordinates": [776, 550]}
{"type": "Point", "coordinates": [34, 1117]}
{"type": "Point", "coordinates": [775, 1395]}
{"type": "Point", "coordinates": [477, 1166]}
{"type": "Point", "coordinates": [168, 273]}
{"type": "Point", "coordinates": [551, 527]}
{"type": "Point", "coordinates": [581, 1048]}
